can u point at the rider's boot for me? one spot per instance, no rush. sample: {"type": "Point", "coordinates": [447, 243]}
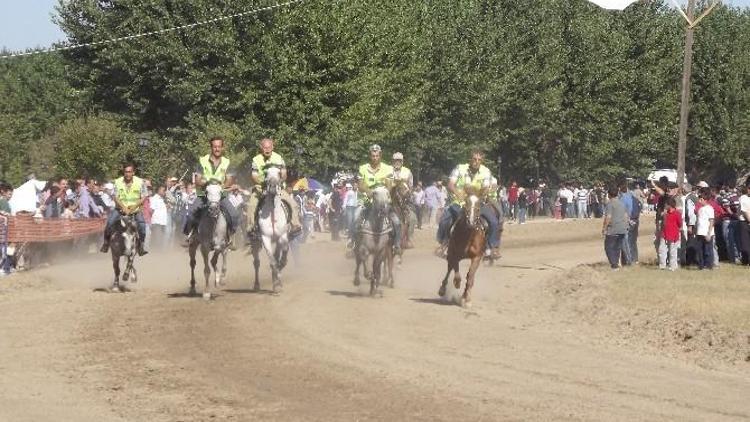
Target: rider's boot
{"type": "Point", "coordinates": [442, 250]}
{"type": "Point", "coordinates": [294, 230]}
{"type": "Point", "coordinates": [141, 249]}
{"type": "Point", "coordinates": [187, 239]}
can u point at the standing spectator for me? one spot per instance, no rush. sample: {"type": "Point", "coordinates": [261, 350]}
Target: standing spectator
{"type": "Point", "coordinates": [107, 195]}
{"type": "Point", "coordinates": [743, 226]}
{"type": "Point", "coordinates": [335, 208]}
{"type": "Point", "coordinates": [671, 236]}
{"type": "Point", "coordinates": [87, 208]}
{"type": "Point", "coordinates": [582, 202]}
{"type": "Point", "coordinates": [522, 205]}
{"type": "Point", "coordinates": [442, 200]}
{"type": "Point", "coordinates": [431, 201]}
{"type": "Point", "coordinates": [614, 228]}
{"type": "Point", "coordinates": [159, 221]}
{"type": "Point", "coordinates": [419, 202]}
{"type": "Point", "coordinates": [96, 195]}
{"type": "Point", "coordinates": [309, 212]}
{"type": "Point", "coordinates": [562, 196]}
{"type": "Point", "coordinates": [350, 204]}
{"type": "Point", "coordinates": [6, 191]}
{"type": "Point", "coordinates": [513, 200]}
{"type": "Point", "coordinates": [633, 208]}
{"type": "Point", "coordinates": [704, 231]}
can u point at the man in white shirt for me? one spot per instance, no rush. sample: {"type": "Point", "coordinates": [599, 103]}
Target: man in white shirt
{"type": "Point", "coordinates": [419, 201]}
{"type": "Point", "coordinates": [744, 224]}
{"type": "Point", "coordinates": [158, 218]}
{"type": "Point", "coordinates": [704, 231]}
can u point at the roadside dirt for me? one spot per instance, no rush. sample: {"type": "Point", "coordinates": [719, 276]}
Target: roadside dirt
{"type": "Point", "coordinates": [324, 351]}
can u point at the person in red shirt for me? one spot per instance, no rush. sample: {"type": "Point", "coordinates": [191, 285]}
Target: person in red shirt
{"type": "Point", "coordinates": [669, 243]}
{"type": "Point", "coordinates": [513, 200]}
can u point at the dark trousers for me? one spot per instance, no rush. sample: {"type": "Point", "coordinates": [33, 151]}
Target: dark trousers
{"type": "Point", "coordinates": [633, 240]}
{"type": "Point", "coordinates": [613, 248]}
{"type": "Point", "coordinates": [705, 253]}
{"type": "Point", "coordinates": [744, 236]}
{"type": "Point", "coordinates": [419, 209]}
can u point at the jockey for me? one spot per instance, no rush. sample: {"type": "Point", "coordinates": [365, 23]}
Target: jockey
{"type": "Point", "coordinates": [477, 175]}
{"type": "Point", "coordinates": [212, 167]}
{"type": "Point", "coordinates": [400, 172]}
{"type": "Point", "coordinates": [130, 191]}
{"type": "Point", "coordinates": [372, 175]}
{"type": "Point", "coordinates": [261, 162]}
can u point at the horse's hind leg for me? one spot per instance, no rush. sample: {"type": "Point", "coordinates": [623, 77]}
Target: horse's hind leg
{"type": "Point", "coordinates": [192, 251]}
{"type": "Point", "coordinates": [206, 274]}
{"type": "Point", "coordinates": [356, 268]}
{"type": "Point", "coordinates": [466, 299]}
{"type": "Point", "coordinates": [456, 275]}
{"type": "Point", "coordinates": [223, 278]}
{"type": "Point", "coordinates": [256, 265]}
{"type": "Point", "coordinates": [116, 268]}
{"type": "Point", "coordinates": [217, 274]}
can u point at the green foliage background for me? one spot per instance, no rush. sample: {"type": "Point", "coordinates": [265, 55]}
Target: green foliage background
{"type": "Point", "coordinates": [560, 89]}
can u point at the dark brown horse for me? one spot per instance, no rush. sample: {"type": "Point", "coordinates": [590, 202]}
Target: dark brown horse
{"type": "Point", "coordinates": [402, 204]}
{"type": "Point", "coordinates": [467, 241]}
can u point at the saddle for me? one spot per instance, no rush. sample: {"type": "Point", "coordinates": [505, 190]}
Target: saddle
{"type": "Point", "coordinates": [365, 227]}
{"type": "Point", "coordinates": [284, 205]}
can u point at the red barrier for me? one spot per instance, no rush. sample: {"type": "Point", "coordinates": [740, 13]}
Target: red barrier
{"type": "Point", "coordinates": [25, 228]}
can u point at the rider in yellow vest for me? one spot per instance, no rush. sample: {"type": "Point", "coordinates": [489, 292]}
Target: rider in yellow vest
{"type": "Point", "coordinates": [401, 172]}
{"type": "Point", "coordinates": [261, 163]}
{"type": "Point", "coordinates": [478, 176]}
{"type": "Point", "coordinates": [371, 175]}
{"type": "Point", "coordinates": [213, 167]}
{"type": "Point", "coordinates": [130, 191]}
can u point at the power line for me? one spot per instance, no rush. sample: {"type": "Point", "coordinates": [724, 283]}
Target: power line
{"type": "Point", "coordinates": [146, 34]}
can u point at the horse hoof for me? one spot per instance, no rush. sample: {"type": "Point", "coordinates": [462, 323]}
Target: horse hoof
{"type": "Point", "coordinates": [256, 287]}
{"type": "Point", "coordinates": [441, 292]}
{"type": "Point", "coordinates": [277, 290]}
{"type": "Point", "coordinates": [115, 289]}
{"type": "Point", "coordinates": [124, 278]}
{"type": "Point", "coordinates": [206, 296]}
{"type": "Point", "coordinates": [356, 282]}
{"type": "Point", "coordinates": [465, 303]}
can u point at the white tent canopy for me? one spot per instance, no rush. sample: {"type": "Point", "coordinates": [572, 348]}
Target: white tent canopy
{"type": "Point", "coordinates": [613, 4]}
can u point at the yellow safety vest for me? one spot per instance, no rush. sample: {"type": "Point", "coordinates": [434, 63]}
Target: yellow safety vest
{"type": "Point", "coordinates": [476, 180]}
{"type": "Point", "coordinates": [261, 164]}
{"type": "Point", "coordinates": [219, 174]}
{"type": "Point", "coordinates": [129, 195]}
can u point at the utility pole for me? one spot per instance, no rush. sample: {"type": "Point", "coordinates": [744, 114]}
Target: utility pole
{"type": "Point", "coordinates": [687, 72]}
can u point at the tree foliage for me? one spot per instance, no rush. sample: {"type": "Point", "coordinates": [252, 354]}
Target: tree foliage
{"type": "Point", "coordinates": [556, 88]}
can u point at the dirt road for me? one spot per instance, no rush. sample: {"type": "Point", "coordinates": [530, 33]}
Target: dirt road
{"type": "Point", "coordinates": [322, 351]}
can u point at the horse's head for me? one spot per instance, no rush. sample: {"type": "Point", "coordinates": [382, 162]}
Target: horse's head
{"type": "Point", "coordinates": [273, 180]}
{"type": "Point", "coordinates": [400, 192]}
{"type": "Point", "coordinates": [213, 198]}
{"type": "Point", "coordinates": [129, 231]}
{"type": "Point", "coordinates": [381, 200]}
{"type": "Point", "coordinates": [472, 210]}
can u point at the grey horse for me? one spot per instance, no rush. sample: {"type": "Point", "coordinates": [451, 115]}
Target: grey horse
{"type": "Point", "coordinates": [273, 229]}
{"type": "Point", "coordinates": [374, 240]}
{"type": "Point", "coordinates": [211, 236]}
{"type": "Point", "coordinates": [123, 243]}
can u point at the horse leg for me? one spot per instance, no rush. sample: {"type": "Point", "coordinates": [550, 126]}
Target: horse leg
{"type": "Point", "coordinates": [456, 275]}
{"type": "Point", "coordinates": [116, 267]}
{"type": "Point", "coordinates": [466, 299]}
{"type": "Point", "coordinates": [214, 266]}
{"type": "Point", "coordinates": [444, 284]}
{"type": "Point", "coordinates": [222, 280]}
{"type": "Point", "coordinates": [356, 268]}
{"type": "Point", "coordinates": [256, 264]}
{"type": "Point", "coordinates": [134, 278]}
{"type": "Point", "coordinates": [192, 251]}
{"type": "Point", "coordinates": [375, 276]}
{"type": "Point", "coordinates": [206, 274]}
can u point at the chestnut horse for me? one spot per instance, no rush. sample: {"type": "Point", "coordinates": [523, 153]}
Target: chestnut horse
{"type": "Point", "coordinates": [467, 241]}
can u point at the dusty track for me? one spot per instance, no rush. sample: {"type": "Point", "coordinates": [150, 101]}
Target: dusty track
{"type": "Point", "coordinates": [321, 351]}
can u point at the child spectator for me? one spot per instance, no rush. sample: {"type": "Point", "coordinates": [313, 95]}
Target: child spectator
{"type": "Point", "coordinates": [68, 209]}
{"type": "Point", "coordinates": [704, 231]}
{"type": "Point", "coordinates": [669, 243]}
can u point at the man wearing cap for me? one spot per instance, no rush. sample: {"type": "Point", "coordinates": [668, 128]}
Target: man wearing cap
{"type": "Point", "coordinates": [266, 159]}
{"type": "Point", "coordinates": [400, 172]}
{"type": "Point", "coordinates": [478, 176]}
{"type": "Point", "coordinates": [130, 192]}
{"type": "Point", "coordinates": [212, 168]}
{"type": "Point", "coordinates": [371, 175]}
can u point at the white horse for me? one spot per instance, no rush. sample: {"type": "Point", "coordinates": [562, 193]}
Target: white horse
{"type": "Point", "coordinates": [273, 228]}
{"type": "Point", "coordinates": [124, 242]}
{"type": "Point", "coordinates": [211, 236]}
{"type": "Point", "coordinates": [374, 240]}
